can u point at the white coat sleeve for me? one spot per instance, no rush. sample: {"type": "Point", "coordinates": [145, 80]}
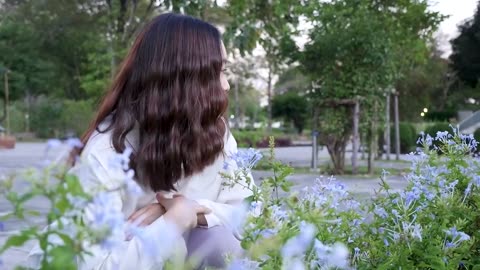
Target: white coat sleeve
{"type": "Point", "coordinates": [229, 203]}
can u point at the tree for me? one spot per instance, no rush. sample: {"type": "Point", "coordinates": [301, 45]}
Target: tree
{"type": "Point", "coordinates": [357, 50]}
{"type": "Point", "coordinates": [270, 24]}
{"type": "Point", "coordinates": [292, 79]}
{"type": "Point", "coordinates": [465, 58]}
{"type": "Point", "coordinates": [31, 72]}
{"type": "Point", "coordinates": [245, 104]}
{"type": "Point", "coordinates": [425, 86]}
{"type": "Point", "coordinates": [80, 42]}
{"type": "Point", "coordinates": [292, 107]}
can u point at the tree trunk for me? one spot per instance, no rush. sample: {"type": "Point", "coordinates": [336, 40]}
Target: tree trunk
{"type": "Point", "coordinates": [355, 138]}
{"type": "Point", "coordinates": [397, 128]}
{"type": "Point", "coordinates": [314, 129]}
{"type": "Point", "coordinates": [373, 142]}
{"type": "Point", "coordinates": [336, 150]}
{"type": "Point", "coordinates": [387, 127]}
{"type": "Point", "coordinates": [445, 90]}
{"type": "Point", "coordinates": [269, 94]}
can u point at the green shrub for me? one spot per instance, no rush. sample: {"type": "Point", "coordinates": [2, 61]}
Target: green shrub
{"type": "Point", "coordinates": [76, 116]}
{"type": "Point", "coordinates": [17, 118]}
{"type": "Point", "coordinates": [476, 135]}
{"type": "Point", "coordinates": [51, 118]}
{"type": "Point", "coordinates": [45, 117]}
{"type": "Point", "coordinates": [408, 138]}
{"type": "Point", "coordinates": [259, 138]}
{"type": "Point", "coordinates": [433, 129]}
{"type": "Point", "coordinates": [248, 138]}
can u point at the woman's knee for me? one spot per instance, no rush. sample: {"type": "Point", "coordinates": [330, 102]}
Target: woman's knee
{"type": "Point", "coordinates": [210, 246]}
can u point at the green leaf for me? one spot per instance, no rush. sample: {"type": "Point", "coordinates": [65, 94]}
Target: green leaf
{"type": "Point", "coordinates": [15, 241]}
{"type": "Point", "coordinates": [63, 257]}
{"type": "Point", "coordinates": [6, 216]}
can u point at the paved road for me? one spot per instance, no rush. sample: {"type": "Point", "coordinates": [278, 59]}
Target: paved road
{"type": "Point", "coordinates": [33, 154]}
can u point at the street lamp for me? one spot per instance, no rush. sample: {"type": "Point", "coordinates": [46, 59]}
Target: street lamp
{"type": "Point", "coordinates": [425, 110]}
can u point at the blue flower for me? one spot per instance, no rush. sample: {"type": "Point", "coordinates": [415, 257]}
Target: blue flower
{"type": "Point", "coordinates": [107, 219]}
{"type": "Point", "coordinates": [296, 246]}
{"type": "Point", "coordinates": [278, 214]}
{"type": "Point", "coordinates": [443, 135]}
{"type": "Point", "coordinates": [2, 226]}
{"type": "Point", "coordinates": [425, 140]}
{"type": "Point", "coordinates": [328, 257]}
{"type": "Point", "coordinates": [356, 252]}
{"type": "Point", "coordinates": [456, 236]}
{"type": "Point", "coordinates": [385, 242]}
{"type": "Point", "coordinates": [243, 264]}
{"type": "Point", "coordinates": [73, 143]}
{"type": "Point", "coordinates": [380, 211]}
{"type": "Point", "coordinates": [245, 159]}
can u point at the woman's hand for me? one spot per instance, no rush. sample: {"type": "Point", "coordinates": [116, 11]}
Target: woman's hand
{"type": "Point", "coordinates": [147, 215]}
{"type": "Point", "coordinates": [182, 211]}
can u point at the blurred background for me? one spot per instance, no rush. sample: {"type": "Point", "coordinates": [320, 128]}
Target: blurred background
{"type": "Point", "coordinates": [351, 76]}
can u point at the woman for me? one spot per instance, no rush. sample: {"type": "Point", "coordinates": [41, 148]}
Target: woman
{"type": "Point", "coordinates": [167, 104]}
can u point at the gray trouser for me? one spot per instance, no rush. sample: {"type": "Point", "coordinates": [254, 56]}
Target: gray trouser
{"type": "Point", "coordinates": [208, 247]}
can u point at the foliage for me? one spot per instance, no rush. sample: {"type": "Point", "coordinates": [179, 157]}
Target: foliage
{"type": "Point", "coordinates": [71, 49]}
{"type": "Point", "coordinates": [247, 138]}
{"type": "Point", "coordinates": [292, 107]}
{"type": "Point", "coordinates": [443, 116]}
{"type": "Point", "coordinates": [45, 118]}
{"type": "Point", "coordinates": [255, 22]}
{"type": "Point", "coordinates": [476, 135]}
{"type": "Point", "coordinates": [32, 73]}
{"type": "Point", "coordinates": [426, 86]}
{"type": "Point", "coordinates": [292, 80]}
{"type": "Point", "coordinates": [465, 58]}
{"type": "Point", "coordinates": [247, 101]}
{"type": "Point", "coordinates": [76, 115]}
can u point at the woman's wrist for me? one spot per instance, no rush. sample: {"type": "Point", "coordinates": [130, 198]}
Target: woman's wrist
{"type": "Point", "coordinates": [174, 218]}
{"type": "Point", "coordinates": [202, 220]}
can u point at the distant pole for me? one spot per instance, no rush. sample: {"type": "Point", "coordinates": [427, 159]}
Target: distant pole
{"type": "Point", "coordinates": [314, 150]}
{"type": "Point", "coordinates": [373, 141]}
{"type": "Point", "coordinates": [356, 137]}
{"type": "Point", "coordinates": [7, 103]}
{"type": "Point", "coordinates": [314, 140]}
{"type": "Point", "coordinates": [269, 94]}
{"type": "Point", "coordinates": [387, 126]}
{"type": "Point", "coordinates": [397, 127]}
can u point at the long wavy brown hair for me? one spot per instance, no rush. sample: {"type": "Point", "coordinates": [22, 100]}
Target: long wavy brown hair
{"type": "Point", "coordinates": [169, 88]}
